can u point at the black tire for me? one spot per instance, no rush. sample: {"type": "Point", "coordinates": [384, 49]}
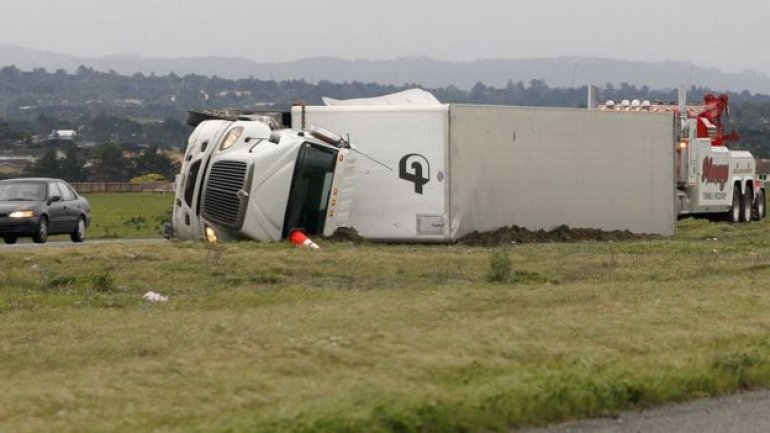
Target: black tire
{"type": "Point", "coordinates": [79, 235]}
{"type": "Point", "coordinates": [41, 231]}
{"type": "Point", "coordinates": [10, 239]}
{"type": "Point", "coordinates": [747, 201]}
{"type": "Point", "coordinates": [734, 214]}
{"type": "Point", "coordinates": [760, 205]}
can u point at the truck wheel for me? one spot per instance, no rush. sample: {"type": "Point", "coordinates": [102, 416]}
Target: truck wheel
{"type": "Point", "coordinates": [10, 239]}
{"type": "Point", "coordinates": [746, 203]}
{"type": "Point", "coordinates": [759, 206]}
{"type": "Point", "coordinates": [734, 214]}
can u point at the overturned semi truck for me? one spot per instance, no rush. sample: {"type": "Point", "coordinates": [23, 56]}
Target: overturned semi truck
{"type": "Point", "coordinates": [406, 168]}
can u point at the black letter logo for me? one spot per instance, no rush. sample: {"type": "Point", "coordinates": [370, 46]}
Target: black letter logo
{"type": "Point", "coordinates": [413, 173]}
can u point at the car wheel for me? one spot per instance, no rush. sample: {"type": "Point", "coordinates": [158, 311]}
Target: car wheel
{"type": "Point", "coordinates": [79, 235]}
{"type": "Point", "coordinates": [9, 239]}
{"type": "Point", "coordinates": [41, 232]}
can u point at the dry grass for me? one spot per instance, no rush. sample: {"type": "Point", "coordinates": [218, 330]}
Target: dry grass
{"type": "Point", "coordinates": [376, 338]}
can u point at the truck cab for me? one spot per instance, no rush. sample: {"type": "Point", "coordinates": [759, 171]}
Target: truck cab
{"type": "Point", "coordinates": [245, 179]}
{"type": "Point", "coordinates": [714, 180]}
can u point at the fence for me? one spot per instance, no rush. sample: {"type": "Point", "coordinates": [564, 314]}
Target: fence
{"type": "Point", "coordinates": [91, 187]}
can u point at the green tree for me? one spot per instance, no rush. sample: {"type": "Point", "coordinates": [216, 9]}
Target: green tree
{"type": "Point", "coordinates": [45, 166]}
{"type": "Point", "coordinates": [5, 130]}
{"type": "Point", "coordinates": [108, 164]}
{"type": "Point", "coordinates": [152, 160]}
{"type": "Point", "coordinates": [73, 166]}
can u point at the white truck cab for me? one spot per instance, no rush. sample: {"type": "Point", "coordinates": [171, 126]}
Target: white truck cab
{"type": "Point", "coordinates": [242, 179]}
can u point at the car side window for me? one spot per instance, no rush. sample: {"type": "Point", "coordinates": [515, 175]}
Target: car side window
{"type": "Point", "coordinates": [53, 190]}
{"type": "Point", "coordinates": [66, 194]}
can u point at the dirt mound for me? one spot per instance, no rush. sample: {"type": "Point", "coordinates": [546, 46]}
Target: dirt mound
{"type": "Point", "coordinates": [516, 234]}
{"type": "Point", "coordinates": [347, 234]}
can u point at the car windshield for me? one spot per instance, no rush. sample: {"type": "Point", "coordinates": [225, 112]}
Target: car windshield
{"type": "Point", "coordinates": [22, 191]}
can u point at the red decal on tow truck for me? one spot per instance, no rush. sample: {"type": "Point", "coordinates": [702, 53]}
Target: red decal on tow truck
{"type": "Point", "coordinates": [714, 173]}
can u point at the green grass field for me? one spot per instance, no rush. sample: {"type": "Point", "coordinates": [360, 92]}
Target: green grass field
{"type": "Point", "coordinates": [377, 338]}
{"type": "Point", "coordinates": [129, 215]}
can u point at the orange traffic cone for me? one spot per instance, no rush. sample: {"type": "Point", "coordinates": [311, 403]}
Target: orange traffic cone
{"type": "Point", "coordinates": [301, 240]}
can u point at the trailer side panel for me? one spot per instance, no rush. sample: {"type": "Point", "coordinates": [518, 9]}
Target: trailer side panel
{"type": "Point", "coordinates": [540, 168]}
{"type": "Point", "coordinates": [401, 183]}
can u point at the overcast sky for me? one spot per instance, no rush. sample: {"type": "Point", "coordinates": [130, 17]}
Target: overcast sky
{"type": "Point", "coordinates": [731, 35]}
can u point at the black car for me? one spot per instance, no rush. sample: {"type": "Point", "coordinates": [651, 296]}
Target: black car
{"type": "Point", "coordinates": [39, 207]}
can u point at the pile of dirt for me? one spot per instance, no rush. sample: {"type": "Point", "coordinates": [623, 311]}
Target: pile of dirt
{"type": "Point", "coordinates": [347, 234]}
{"type": "Point", "coordinates": [516, 234]}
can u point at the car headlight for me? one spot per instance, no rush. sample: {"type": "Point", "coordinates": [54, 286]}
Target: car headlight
{"type": "Point", "coordinates": [231, 138]}
{"type": "Point", "coordinates": [22, 214]}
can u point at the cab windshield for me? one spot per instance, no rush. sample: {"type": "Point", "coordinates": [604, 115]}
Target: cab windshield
{"type": "Point", "coordinates": [310, 188]}
{"type": "Point", "coordinates": [22, 191]}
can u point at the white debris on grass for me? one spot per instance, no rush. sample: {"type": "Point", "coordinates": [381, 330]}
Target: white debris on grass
{"type": "Point", "coordinates": [154, 297]}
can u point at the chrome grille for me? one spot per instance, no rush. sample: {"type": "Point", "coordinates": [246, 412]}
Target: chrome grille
{"type": "Point", "coordinates": [222, 203]}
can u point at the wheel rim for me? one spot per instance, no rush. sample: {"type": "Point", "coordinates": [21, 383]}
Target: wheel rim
{"type": "Point", "coordinates": [81, 229]}
{"type": "Point", "coordinates": [43, 229]}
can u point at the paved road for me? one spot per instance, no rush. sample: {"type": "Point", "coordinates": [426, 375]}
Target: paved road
{"type": "Point", "coordinates": [59, 243]}
{"type": "Point", "coordinates": [741, 413]}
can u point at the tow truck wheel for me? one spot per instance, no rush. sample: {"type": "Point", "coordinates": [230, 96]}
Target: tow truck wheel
{"type": "Point", "coordinates": [746, 203]}
{"type": "Point", "coordinates": [759, 206]}
{"type": "Point", "coordinates": [734, 214]}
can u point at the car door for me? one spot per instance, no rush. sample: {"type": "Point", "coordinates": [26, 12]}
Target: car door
{"type": "Point", "coordinates": [71, 208]}
{"type": "Point", "coordinates": [56, 213]}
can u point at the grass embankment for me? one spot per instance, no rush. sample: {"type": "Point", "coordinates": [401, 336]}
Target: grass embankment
{"type": "Point", "coordinates": [128, 215]}
{"type": "Point", "coordinates": [376, 337]}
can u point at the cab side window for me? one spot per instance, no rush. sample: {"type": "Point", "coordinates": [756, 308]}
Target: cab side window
{"type": "Point", "coordinates": [66, 194]}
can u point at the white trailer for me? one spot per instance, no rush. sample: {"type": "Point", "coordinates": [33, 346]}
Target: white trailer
{"type": "Point", "coordinates": [436, 172]}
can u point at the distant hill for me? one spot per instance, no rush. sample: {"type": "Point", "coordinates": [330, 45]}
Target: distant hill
{"type": "Point", "coordinates": [428, 72]}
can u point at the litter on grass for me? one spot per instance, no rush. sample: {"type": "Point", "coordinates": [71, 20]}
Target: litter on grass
{"type": "Point", "coordinates": [154, 297]}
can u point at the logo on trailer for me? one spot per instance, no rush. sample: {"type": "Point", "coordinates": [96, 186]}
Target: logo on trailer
{"type": "Point", "coordinates": [414, 168]}
{"type": "Point", "coordinates": [714, 173]}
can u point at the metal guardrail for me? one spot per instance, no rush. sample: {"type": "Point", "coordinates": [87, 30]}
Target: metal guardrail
{"type": "Point", "coordinates": [95, 187]}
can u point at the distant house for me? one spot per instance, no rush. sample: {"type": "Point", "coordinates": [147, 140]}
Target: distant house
{"type": "Point", "coordinates": [10, 168]}
{"type": "Point", "coordinates": [14, 165]}
{"type": "Point", "coordinates": [63, 134]}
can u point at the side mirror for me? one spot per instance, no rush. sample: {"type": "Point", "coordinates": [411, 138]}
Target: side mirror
{"type": "Point", "coordinates": [54, 198]}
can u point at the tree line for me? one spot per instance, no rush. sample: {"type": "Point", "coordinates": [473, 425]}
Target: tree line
{"type": "Point", "coordinates": [107, 162]}
{"type": "Point", "coordinates": [106, 107]}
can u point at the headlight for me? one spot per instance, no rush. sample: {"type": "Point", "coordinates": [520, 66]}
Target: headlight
{"type": "Point", "coordinates": [22, 214]}
{"type": "Point", "coordinates": [231, 138]}
{"type": "Point", "coordinates": [211, 235]}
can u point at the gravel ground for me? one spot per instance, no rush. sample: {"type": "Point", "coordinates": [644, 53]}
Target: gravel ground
{"type": "Point", "coordinates": [741, 413]}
